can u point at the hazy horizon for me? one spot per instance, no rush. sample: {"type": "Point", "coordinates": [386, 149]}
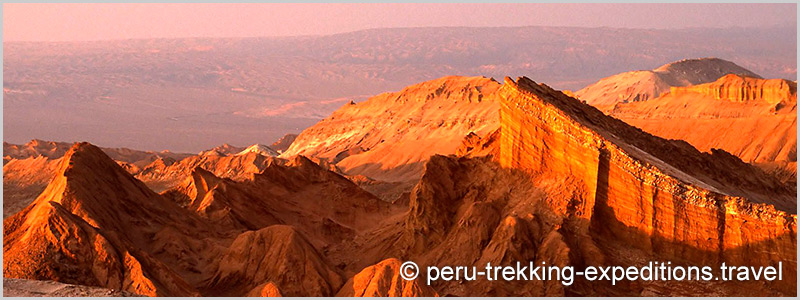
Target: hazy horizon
{"type": "Point", "coordinates": [99, 22]}
{"type": "Point", "coordinates": [188, 77]}
{"type": "Point", "coordinates": [384, 28]}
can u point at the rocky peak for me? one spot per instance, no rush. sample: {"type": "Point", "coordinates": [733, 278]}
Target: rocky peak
{"type": "Point", "coordinates": [284, 142]}
{"type": "Point", "coordinates": [383, 280]}
{"type": "Point", "coordinates": [270, 255]}
{"type": "Point", "coordinates": [222, 150]}
{"type": "Point", "coordinates": [259, 149]}
{"type": "Point", "coordinates": [89, 208]}
{"type": "Point", "coordinates": [85, 157]}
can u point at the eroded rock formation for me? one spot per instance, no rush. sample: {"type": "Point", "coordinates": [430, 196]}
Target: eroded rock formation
{"type": "Point", "coordinates": [559, 183]}
{"type": "Point", "coordinates": [754, 119]}
{"type": "Point", "coordinates": [647, 192]}
{"type": "Point", "coordinates": [571, 186]}
{"type": "Point", "coordinates": [275, 257]}
{"type": "Point", "coordinates": [383, 280]}
{"type": "Point", "coordinates": [97, 225]}
{"type": "Point", "coordinates": [737, 88]}
{"type": "Point", "coordinates": [78, 230]}
{"type": "Point", "coordinates": [283, 143]}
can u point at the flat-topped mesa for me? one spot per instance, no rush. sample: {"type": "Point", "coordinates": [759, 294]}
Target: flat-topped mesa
{"type": "Point", "coordinates": [390, 136]}
{"type": "Point", "coordinates": [449, 88]}
{"type": "Point", "coordinates": [737, 88]}
{"type": "Point", "coordinates": [754, 119]}
{"type": "Point", "coordinates": [655, 194]}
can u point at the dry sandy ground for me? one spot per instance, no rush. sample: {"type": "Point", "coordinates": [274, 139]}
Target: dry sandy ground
{"type": "Point", "coordinates": [13, 287]}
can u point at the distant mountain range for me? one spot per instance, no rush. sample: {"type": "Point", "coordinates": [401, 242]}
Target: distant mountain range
{"type": "Point", "coordinates": [191, 94]}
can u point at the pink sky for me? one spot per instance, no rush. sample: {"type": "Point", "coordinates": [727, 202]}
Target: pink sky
{"type": "Point", "coordinates": [71, 22]}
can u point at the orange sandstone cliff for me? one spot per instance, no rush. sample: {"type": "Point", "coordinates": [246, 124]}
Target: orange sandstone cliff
{"type": "Point", "coordinates": [737, 88]}
{"type": "Point", "coordinates": [661, 196]}
{"type": "Point", "coordinates": [754, 119]}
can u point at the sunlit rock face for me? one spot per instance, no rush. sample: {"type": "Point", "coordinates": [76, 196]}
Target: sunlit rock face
{"type": "Point", "coordinates": [383, 280]}
{"type": "Point", "coordinates": [752, 118]}
{"type": "Point", "coordinates": [737, 88]}
{"type": "Point", "coordinates": [390, 136]}
{"type": "Point", "coordinates": [658, 195]}
{"type": "Point", "coordinates": [95, 224]}
{"type": "Point", "coordinates": [79, 231]}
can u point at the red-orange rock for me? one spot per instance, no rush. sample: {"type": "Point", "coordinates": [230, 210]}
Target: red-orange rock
{"type": "Point", "coordinates": [390, 136]}
{"type": "Point", "coordinates": [651, 193]}
{"type": "Point", "coordinates": [754, 119]}
{"type": "Point", "coordinates": [265, 290]}
{"type": "Point", "coordinates": [559, 183]}
{"type": "Point", "coordinates": [383, 280]}
{"type": "Point", "coordinates": [283, 143]}
{"type": "Point", "coordinates": [74, 231]}
{"type": "Point", "coordinates": [638, 86]}
{"type": "Point", "coordinates": [276, 254]}
{"type": "Point", "coordinates": [736, 88]}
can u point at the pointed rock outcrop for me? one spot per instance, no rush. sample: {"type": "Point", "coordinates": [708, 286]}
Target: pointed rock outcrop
{"type": "Point", "coordinates": [73, 232]}
{"type": "Point", "coordinates": [275, 257]}
{"type": "Point", "coordinates": [383, 280]}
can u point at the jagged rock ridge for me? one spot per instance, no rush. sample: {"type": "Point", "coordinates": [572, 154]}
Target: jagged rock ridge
{"type": "Point", "coordinates": [571, 186]}
{"type": "Point", "coordinates": [654, 194]}
{"type": "Point", "coordinates": [91, 204]}
{"type": "Point", "coordinates": [97, 225]}
{"type": "Point", "coordinates": [754, 119]}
